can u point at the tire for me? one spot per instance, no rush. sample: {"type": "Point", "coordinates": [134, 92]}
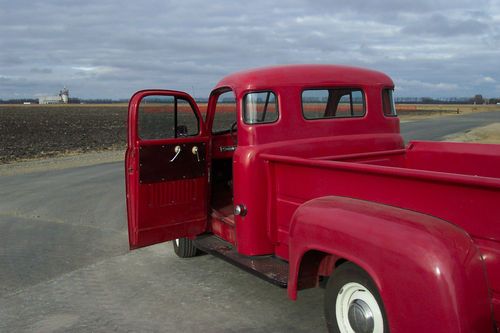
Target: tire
{"type": "Point", "coordinates": [184, 248]}
{"type": "Point", "coordinates": [352, 299]}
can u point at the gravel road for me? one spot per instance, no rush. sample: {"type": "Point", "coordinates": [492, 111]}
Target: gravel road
{"type": "Point", "coordinates": [65, 266]}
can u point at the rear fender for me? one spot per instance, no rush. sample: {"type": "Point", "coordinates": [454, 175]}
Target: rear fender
{"type": "Point", "coordinates": [429, 273]}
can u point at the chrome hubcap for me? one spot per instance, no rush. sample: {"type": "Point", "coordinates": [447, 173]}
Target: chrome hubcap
{"type": "Point", "coordinates": [360, 317]}
{"type": "Point", "coordinates": [357, 310]}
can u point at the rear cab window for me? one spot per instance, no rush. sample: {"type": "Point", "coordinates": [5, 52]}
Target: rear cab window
{"type": "Point", "coordinates": [333, 103]}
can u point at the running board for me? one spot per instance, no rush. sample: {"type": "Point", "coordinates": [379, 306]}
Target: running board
{"type": "Point", "coordinates": [269, 268]}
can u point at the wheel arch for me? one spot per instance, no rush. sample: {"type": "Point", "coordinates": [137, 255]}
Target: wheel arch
{"type": "Point", "coordinates": [314, 264]}
{"type": "Point", "coordinates": [402, 251]}
{"type": "Point", "coordinates": [320, 262]}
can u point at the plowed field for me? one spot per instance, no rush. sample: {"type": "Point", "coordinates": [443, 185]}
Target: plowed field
{"type": "Point", "coordinates": [35, 131]}
{"type": "Point", "coordinates": [31, 131]}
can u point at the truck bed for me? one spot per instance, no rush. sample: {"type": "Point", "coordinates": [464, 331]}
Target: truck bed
{"type": "Point", "coordinates": [446, 158]}
{"type": "Point", "coordinates": [457, 182]}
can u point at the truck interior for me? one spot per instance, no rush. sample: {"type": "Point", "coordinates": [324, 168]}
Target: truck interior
{"type": "Point", "coordinates": [224, 141]}
{"type": "Point", "coordinates": [259, 107]}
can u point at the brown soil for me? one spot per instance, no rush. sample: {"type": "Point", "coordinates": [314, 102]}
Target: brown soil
{"type": "Point", "coordinates": [40, 131]}
{"type": "Point", "coordinates": [35, 131]}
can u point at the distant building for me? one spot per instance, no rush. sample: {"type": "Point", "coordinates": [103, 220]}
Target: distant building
{"type": "Point", "coordinates": [62, 98]}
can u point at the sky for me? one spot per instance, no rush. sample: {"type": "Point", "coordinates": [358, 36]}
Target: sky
{"type": "Point", "coordinates": [109, 49]}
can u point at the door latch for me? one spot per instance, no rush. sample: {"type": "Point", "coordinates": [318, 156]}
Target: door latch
{"type": "Point", "coordinates": [177, 151]}
{"type": "Point", "coordinates": [195, 152]}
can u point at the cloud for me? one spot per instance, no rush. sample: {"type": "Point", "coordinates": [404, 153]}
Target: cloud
{"type": "Point", "coordinates": [41, 70]}
{"type": "Point", "coordinates": [108, 50]}
{"type": "Point", "coordinates": [486, 79]}
{"type": "Point", "coordinates": [442, 26]}
{"type": "Point", "coordinates": [431, 87]}
{"type": "Point", "coordinates": [94, 71]}
{"type": "Point", "coordinates": [9, 60]}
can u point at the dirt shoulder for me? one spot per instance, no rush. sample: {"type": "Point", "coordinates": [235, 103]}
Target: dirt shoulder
{"type": "Point", "coordinates": [485, 134]}
{"type": "Point", "coordinates": [61, 162]}
{"type": "Point", "coordinates": [413, 112]}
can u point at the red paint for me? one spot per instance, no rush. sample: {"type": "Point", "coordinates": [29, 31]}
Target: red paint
{"type": "Point", "coordinates": [423, 221]}
{"type": "Point", "coordinates": [429, 272]}
{"type": "Point", "coordinates": [162, 210]}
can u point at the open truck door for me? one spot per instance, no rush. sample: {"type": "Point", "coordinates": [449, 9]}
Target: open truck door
{"type": "Point", "coordinates": [165, 167]}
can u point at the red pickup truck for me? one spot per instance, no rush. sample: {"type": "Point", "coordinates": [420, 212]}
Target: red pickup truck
{"type": "Point", "coordinates": [299, 175]}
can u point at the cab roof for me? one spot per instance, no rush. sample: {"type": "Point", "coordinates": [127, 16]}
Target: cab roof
{"type": "Point", "coordinates": [303, 75]}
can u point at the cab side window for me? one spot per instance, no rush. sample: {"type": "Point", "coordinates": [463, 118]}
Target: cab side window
{"type": "Point", "coordinates": [260, 108]}
{"type": "Point", "coordinates": [388, 105]}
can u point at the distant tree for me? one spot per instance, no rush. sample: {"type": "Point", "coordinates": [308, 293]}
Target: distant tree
{"type": "Point", "coordinates": [478, 99]}
{"type": "Point", "coordinates": [18, 101]}
{"type": "Point", "coordinates": [428, 100]}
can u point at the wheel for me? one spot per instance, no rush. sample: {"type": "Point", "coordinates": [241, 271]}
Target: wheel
{"type": "Point", "coordinates": [184, 248]}
{"type": "Point", "coordinates": [352, 302]}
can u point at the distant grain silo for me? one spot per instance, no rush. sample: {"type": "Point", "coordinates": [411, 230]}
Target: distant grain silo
{"type": "Point", "coordinates": [64, 95]}
{"type": "Point", "coordinates": [62, 98]}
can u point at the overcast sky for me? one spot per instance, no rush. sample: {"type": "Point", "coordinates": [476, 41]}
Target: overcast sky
{"type": "Point", "coordinates": [109, 49]}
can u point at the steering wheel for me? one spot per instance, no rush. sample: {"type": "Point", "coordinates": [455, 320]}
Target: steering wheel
{"type": "Point", "coordinates": [232, 132]}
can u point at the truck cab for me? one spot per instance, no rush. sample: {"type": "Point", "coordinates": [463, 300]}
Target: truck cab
{"type": "Point", "coordinates": [187, 171]}
{"type": "Point", "coordinates": [276, 175]}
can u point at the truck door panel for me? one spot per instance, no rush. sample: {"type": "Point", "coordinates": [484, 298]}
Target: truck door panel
{"type": "Point", "coordinates": [166, 166]}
